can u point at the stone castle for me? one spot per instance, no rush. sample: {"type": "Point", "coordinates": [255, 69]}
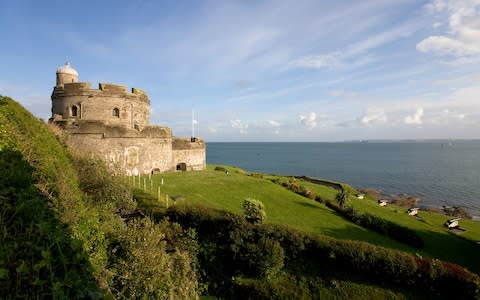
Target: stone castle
{"type": "Point", "coordinates": [113, 123]}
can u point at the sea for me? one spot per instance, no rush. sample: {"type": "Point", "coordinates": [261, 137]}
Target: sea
{"type": "Point", "coordinates": [439, 172]}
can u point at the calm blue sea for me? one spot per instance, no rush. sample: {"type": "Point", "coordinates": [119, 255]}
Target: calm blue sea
{"type": "Point", "coordinates": [441, 173]}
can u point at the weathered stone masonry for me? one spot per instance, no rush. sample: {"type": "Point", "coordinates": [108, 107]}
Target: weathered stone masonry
{"type": "Point", "coordinates": [113, 123]}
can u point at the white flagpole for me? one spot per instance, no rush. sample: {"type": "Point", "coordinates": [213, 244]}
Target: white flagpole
{"type": "Point", "coordinates": [193, 124]}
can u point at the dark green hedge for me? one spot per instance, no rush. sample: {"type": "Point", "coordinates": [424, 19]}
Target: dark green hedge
{"type": "Point", "coordinates": [237, 248]}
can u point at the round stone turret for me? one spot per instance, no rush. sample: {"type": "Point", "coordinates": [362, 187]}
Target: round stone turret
{"type": "Point", "coordinates": [66, 74]}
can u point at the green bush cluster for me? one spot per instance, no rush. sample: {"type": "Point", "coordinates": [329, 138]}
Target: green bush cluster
{"type": "Point", "coordinates": [254, 211]}
{"type": "Point", "coordinates": [61, 235]}
{"type": "Point", "coordinates": [234, 247]}
{"type": "Point", "coordinates": [295, 187]}
{"type": "Point", "coordinates": [144, 269]}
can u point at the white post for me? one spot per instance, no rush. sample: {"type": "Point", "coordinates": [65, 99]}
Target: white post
{"type": "Point", "coordinates": [193, 124]}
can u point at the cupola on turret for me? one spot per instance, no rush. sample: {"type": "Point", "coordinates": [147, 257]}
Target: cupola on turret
{"type": "Point", "coordinates": [66, 74]}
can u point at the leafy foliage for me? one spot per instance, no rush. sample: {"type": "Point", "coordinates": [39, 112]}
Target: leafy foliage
{"type": "Point", "coordinates": [342, 198]}
{"type": "Point", "coordinates": [235, 251]}
{"type": "Point", "coordinates": [144, 269]}
{"type": "Point", "coordinates": [60, 235]}
{"type": "Point", "coordinates": [254, 211]}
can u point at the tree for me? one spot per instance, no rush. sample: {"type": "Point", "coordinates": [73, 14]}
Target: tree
{"type": "Point", "coordinates": [342, 198]}
{"type": "Point", "coordinates": [254, 211]}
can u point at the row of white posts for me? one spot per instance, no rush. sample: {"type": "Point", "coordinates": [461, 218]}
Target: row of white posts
{"type": "Point", "coordinates": [136, 181]}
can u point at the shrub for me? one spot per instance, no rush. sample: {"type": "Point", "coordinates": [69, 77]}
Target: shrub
{"type": "Point", "coordinates": [220, 169]}
{"type": "Point", "coordinates": [342, 198]}
{"type": "Point", "coordinates": [144, 270]}
{"type": "Point", "coordinates": [98, 182]}
{"type": "Point", "coordinates": [319, 199]}
{"type": "Point", "coordinates": [256, 175]}
{"type": "Point", "coordinates": [255, 253]}
{"type": "Point", "coordinates": [254, 211]}
{"type": "Point", "coordinates": [232, 248]}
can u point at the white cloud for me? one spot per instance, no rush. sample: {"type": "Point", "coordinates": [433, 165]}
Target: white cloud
{"type": "Point", "coordinates": [437, 25]}
{"type": "Point", "coordinates": [238, 124]}
{"type": "Point", "coordinates": [463, 35]}
{"type": "Point", "coordinates": [415, 119]}
{"type": "Point", "coordinates": [374, 116]}
{"type": "Point", "coordinates": [329, 60]}
{"type": "Point", "coordinates": [274, 123]}
{"type": "Point", "coordinates": [357, 53]}
{"type": "Point", "coordinates": [309, 121]}
{"type": "Point", "coordinates": [446, 46]}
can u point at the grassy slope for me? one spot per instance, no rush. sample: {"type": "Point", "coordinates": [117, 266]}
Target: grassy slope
{"type": "Point", "coordinates": [36, 241]}
{"type": "Point", "coordinates": [439, 242]}
{"type": "Point", "coordinates": [218, 190]}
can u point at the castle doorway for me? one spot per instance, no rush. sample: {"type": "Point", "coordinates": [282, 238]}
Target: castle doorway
{"type": "Point", "coordinates": [182, 167]}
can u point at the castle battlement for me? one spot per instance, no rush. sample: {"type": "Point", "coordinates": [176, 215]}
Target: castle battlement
{"type": "Point", "coordinates": [112, 122]}
{"type": "Point", "coordinates": [104, 89]}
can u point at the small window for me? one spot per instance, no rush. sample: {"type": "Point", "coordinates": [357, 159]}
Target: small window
{"type": "Point", "coordinates": [116, 113]}
{"type": "Point", "coordinates": [74, 111]}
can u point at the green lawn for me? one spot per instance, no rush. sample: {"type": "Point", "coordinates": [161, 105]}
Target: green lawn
{"type": "Point", "coordinates": [218, 190]}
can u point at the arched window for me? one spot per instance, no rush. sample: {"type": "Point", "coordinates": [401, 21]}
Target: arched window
{"type": "Point", "coordinates": [74, 111]}
{"type": "Point", "coordinates": [116, 113]}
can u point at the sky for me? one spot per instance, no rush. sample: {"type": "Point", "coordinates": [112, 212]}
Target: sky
{"type": "Point", "coordinates": [261, 70]}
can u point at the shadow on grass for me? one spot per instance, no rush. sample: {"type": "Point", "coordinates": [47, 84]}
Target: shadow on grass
{"type": "Point", "coordinates": [307, 204]}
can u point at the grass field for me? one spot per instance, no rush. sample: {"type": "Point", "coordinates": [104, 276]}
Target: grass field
{"type": "Point", "coordinates": [227, 191]}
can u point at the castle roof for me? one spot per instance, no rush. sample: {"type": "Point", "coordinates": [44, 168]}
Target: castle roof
{"type": "Point", "coordinates": [66, 69]}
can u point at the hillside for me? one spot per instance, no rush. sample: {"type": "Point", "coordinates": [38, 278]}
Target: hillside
{"type": "Point", "coordinates": [220, 191]}
{"type": "Point", "coordinates": [72, 230]}
{"type": "Point", "coordinates": [62, 236]}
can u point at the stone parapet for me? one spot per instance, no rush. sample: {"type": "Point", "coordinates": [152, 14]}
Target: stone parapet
{"type": "Point", "coordinates": [109, 131]}
{"type": "Point", "coordinates": [181, 143]}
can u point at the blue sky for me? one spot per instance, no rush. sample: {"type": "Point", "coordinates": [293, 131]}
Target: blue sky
{"type": "Point", "coordinates": [261, 70]}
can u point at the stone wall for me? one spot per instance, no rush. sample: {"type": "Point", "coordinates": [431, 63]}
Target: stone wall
{"type": "Point", "coordinates": [79, 101]}
{"type": "Point", "coordinates": [194, 159]}
{"type": "Point", "coordinates": [129, 156]}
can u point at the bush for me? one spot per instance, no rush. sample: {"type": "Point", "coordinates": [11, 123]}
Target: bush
{"type": "Point", "coordinates": [220, 169]}
{"type": "Point", "coordinates": [98, 182]}
{"type": "Point", "coordinates": [254, 211]}
{"type": "Point", "coordinates": [342, 198]}
{"type": "Point", "coordinates": [144, 270]}
{"type": "Point", "coordinates": [256, 254]}
{"type": "Point", "coordinates": [234, 248]}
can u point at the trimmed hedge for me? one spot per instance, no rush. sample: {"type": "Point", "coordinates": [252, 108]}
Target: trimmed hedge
{"type": "Point", "coordinates": [222, 232]}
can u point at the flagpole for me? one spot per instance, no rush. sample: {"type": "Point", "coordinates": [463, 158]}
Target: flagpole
{"type": "Point", "coordinates": [193, 124]}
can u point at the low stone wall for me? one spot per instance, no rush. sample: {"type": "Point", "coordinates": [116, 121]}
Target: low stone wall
{"type": "Point", "coordinates": [194, 159]}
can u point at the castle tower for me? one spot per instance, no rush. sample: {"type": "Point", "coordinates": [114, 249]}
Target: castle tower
{"type": "Point", "coordinates": [66, 74]}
